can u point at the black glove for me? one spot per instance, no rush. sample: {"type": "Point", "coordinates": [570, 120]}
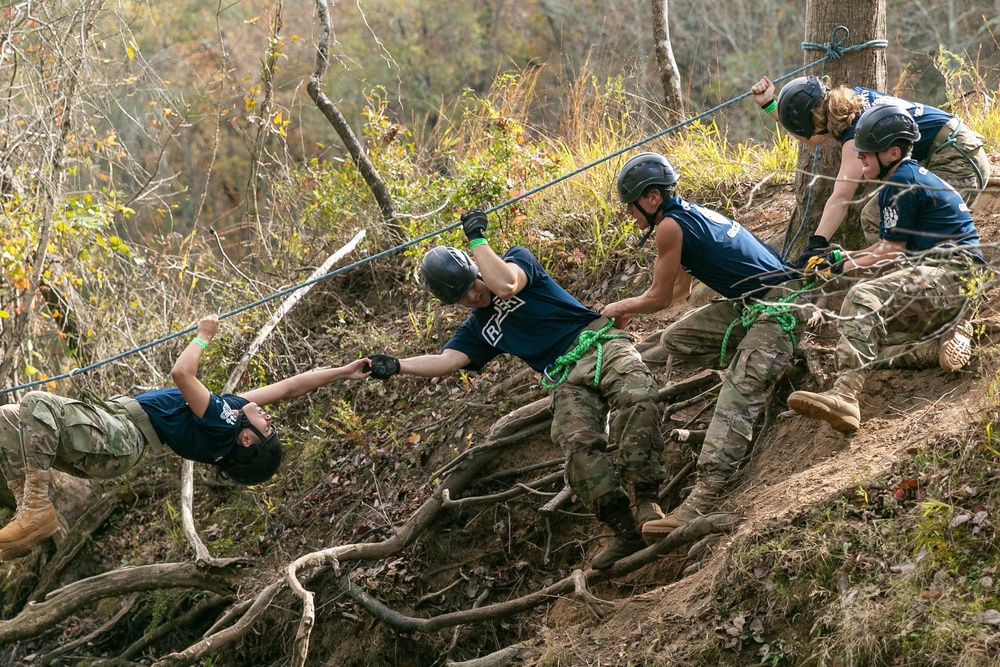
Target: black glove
{"type": "Point", "coordinates": [826, 265]}
{"type": "Point", "coordinates": [383, 366]}
{"type": "Point", "coordinates": [817, 245]}
{"type": "Point", "coordinates": [474, 224]}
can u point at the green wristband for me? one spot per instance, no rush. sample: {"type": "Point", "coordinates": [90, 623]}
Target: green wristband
{"type": "Point", "coordinates": [200, 341]}
{"type": "Point", "coordinates": [770, 106]}
{"type": "Point", "coordinates": [477, 242]}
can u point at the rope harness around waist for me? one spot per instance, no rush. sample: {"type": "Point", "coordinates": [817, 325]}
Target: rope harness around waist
{"type": "Point", "coordinates": [780, 313]}
{"type": "Point", "coordinates": [952, 142]}
{"type": "Point", "coordinates": [556, 372]}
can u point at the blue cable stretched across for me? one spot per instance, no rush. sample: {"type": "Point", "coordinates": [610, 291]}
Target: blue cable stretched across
{"type": "Point", "coordinates": [833, 50]}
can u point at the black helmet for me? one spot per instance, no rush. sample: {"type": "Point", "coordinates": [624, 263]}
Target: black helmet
{"type": "Point", "coordinates": [256, 463]}
{"type": "Point", "coordinates": [640, 172]}
{"type": "Point", "coordinates": [796, 101]}
{"type": "Point", "coordinates": [881, 125]}
{"type": "Point", "coordinates": [449, 273]}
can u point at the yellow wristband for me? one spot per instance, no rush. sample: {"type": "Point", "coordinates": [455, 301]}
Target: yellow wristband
{"type": "Point", "coordinates": [200, 341]}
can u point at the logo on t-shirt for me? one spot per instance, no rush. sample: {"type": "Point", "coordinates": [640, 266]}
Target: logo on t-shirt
{"type": "Point", "coordinates": [493, 331]}
{"type": "Point", "coordinates": [228, 415]}
{"type": "Point", "coordinates": [890, 216]}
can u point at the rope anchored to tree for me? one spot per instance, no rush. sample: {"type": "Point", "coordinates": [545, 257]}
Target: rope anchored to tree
{"type": "Point", "coordinates": [833, 50]}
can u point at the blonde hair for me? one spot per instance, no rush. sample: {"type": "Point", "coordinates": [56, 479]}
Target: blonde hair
{"type": "Point", "coordinates": [838, 110]}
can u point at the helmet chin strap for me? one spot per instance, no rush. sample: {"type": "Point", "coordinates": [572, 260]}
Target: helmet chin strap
{"type": "Point", "coordinates": [885, 169]}
{"type": "Point", "coordinates": [650, 220]}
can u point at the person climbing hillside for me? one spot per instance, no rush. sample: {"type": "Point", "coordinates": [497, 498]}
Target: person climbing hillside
{"type": "Point", "coordinates": [813, 112]}
{"type": "Point", "coordinates": [920, 310]}
{"type": "Point", "coordinates": [105, 439]}
{"type": "Point", "coordinates": [755, 329]}
{"type": "Point", "coordinates": [589, 366]}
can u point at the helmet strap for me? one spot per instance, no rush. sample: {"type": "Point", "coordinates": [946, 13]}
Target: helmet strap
{"type": "Point", "coordinates": [886, 168]}
{"type": "Point", "coordinates": [651, 219]}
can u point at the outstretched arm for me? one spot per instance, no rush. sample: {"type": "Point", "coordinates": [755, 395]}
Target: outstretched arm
{"type": "Point", "coordinates": [303, 383]}
{"type": "Point", "coordinates": [670, 284]}
{"type": "Point", "coordinates": [835, 209]}
{"type": "Point", "coordinates": [434, 365]}
{"type": "Point", "coordinates": [184, 372]}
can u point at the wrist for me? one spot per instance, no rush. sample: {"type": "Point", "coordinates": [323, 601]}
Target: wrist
{"type": "Point", "coordinates": [770, 106]}
{"type": "Point", "coordinates": [818, 241]}
{"type": "Point", "coordinates": [478, 241]}
{"type": "Point", "coordinates": [200, 342]}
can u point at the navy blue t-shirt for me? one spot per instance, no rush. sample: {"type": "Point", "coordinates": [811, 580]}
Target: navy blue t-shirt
{"type": "Point", "coordinates": [920, 209]}
{"type": "Point", "coordinates": [929, 119]}
{"type": "Point", "coordinates": [722, 253]}
{"type": "Point", "coordinates": [537, 324]}
{"type": "Point", "coordinates": [206, 439]}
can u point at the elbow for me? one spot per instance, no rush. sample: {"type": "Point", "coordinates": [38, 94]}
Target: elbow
{"type": "Point", "coordinates": [505, 292]}
{"type": "Point", "coordinates": [177, 373]}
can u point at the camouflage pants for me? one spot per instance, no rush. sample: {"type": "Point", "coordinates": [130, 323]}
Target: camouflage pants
{"type": "Point", "coordinates": [758, 353]}
{"type": "Point", "coordinates": [958, 157]}
{"type": "Point", "coordinates": [580, 425]}
{"type": "Point", "coordinates": [48, 431]}
{"type": "Point", "coordinates": [885, 318]}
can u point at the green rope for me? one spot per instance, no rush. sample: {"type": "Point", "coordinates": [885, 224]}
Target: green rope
{"type": "Point", "coordinates": [782, 314]}
{"type": "Point", "coordinates": [557, 371]}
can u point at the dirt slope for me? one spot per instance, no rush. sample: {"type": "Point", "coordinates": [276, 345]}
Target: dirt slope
{"type": "Point", "coordinates": [798, 464]}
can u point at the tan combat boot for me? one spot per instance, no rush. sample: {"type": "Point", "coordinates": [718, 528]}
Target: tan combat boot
{"type": "Point", "coordinates": [645, 504]}
{"type": "Point", "coordinates": [35, 519]}
{"type": "Point", "coordinates": [837, 407]}
{"type": "Point", "coordinates": [626, 540]}
{"type": "Point", "coordinates": [705, 498]}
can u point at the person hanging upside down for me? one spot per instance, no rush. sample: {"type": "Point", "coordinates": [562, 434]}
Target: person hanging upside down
{"type": "Point", "coordinates": [102, 440]}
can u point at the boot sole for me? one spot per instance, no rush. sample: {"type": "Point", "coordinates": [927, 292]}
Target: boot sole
{"type": "Point", "coordinates": [653, 534]}
{"type": "Point", "coordinates": [956, 350]}
{"type": "Point", "coordinates": [813, 410]}
{"type": "Point", "coordinates": [22, 546]}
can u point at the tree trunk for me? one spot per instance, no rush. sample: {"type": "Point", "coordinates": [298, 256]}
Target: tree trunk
{"type": "Point", "coordinates": [343, 128]}
{"type": "Point", "coordinates": [865, 67]}
{"type": "Point", "coordinates": [669, 75]}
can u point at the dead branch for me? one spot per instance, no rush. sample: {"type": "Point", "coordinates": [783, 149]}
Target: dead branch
{"type": "Point", "coordinates": [496, 659]}
{"type": "Point", "coordinates": [37, 617]}
{"type": "Point", "coordinates": [225, 637]}
{"type": "Point", "coordinates": [674, 408]}
{"type": "Point", "coordinates": [409, 531]}
{"type": "Point", "coordinates": [188, 619]}
{"type": "Point", "coordinates": [343, 128]}
{"type": "Point", "coordinates": [599, 608]}
{"type": "Point", "coordinates": [69, 646]}
{"type": "Point", "coordinates": [560, 499]}
{"type": "Point", "coordinates": [693, 531]}
{"type": "Point", "coordinates": [676, 479]}
{"type": "Point", "coordinates": [517, 490]}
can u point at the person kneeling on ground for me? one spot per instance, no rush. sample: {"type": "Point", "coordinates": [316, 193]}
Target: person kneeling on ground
{"type": "Point", "coordinates": [107, 439]}
{"type": "Point", "coordinates": [917, 312]}
{"type": "Point", "coordinates": [757, 322]}
{"type": "Point", "coordinates": [814, 113]}
{"type": "Point", "coordinates": [589, 367]}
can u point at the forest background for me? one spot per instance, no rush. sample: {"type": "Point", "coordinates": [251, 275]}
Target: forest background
{"type": "Point", "coordinates": [160, 161]}
{"type": "Point", "coordinates": [190, 131]}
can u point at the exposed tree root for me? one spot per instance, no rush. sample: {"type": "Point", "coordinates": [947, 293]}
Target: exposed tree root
{"type": "Point", "coordinates": [692, 532]}
{"type": "Point", "coordinates": [37, 617]}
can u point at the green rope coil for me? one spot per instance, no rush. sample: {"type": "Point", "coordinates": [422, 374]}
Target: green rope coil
{"type": "Point", "coordinates": [557, 371]}
{"type": "Point", "coordinates": [782, 314]}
